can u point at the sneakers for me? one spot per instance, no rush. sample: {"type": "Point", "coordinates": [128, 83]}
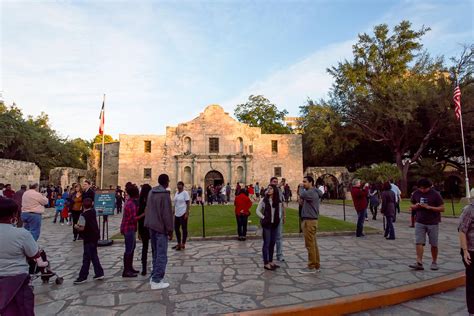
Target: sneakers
{"type": "Point", "coordinates": [159, 286]}
{"type": "Point", "coordinates": [281, 259]}
{"type": "Point", "coordinates": [99, 277]}
{"type": "Point", "coordinates": [434, 266]}
{"type": "Point", "coordinates": [308, 271]}
{"type": "Point", "coordinates": [80, 281]}
{"type": "Point", "coordinates": [417, 266]}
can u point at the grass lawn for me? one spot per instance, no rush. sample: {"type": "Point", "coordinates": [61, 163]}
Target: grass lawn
{"type": "Point", "coordinates": [405, 204]}
{"type": "Point", "coordinates": [220, 221]}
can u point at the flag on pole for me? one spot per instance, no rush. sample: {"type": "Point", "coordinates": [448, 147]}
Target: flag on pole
{"type": "Point", "coordinates": [102, 119]}
{"type": "Point", "coordinates": [457, 102]}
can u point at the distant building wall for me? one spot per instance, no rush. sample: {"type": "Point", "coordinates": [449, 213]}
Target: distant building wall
{"type": "Point", "coordinates": [65, 176]}
{"type": "Point", "coordinates": [18, 172]}
{"type": "Point", "coordinates": [111, 162]}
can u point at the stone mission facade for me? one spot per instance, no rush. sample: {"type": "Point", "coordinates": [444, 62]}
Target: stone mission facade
{"type": "Point", "coordinates": [213, 148]}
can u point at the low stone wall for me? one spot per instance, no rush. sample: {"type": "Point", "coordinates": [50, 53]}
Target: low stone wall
{"type": "Point", "coordinates": [64, 176]}
{"type": "Point", "coordinates": [18, 172]}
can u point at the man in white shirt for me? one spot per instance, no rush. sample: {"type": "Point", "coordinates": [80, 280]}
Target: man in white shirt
{"type": "Point", "coordinates": [182, 205]}
{"type": "Point", "coordinates": [395, 189]}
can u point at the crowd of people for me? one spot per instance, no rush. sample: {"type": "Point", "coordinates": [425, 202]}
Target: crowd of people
{"type": "Point", "coordinates": [156, 215]}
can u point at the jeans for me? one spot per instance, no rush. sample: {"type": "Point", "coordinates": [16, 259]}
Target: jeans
{"type": "Point", "coordinates": [159, 246]}
{"type": "Point", "coordinates": [469, 283]}
{"type": "Point", "coordinates": [373, 210]}
{"type": "Point", "coordinates": [269, 239]}
{"type": "Point", "coordinates": [32, 223]}
{"type": "Point", "coordinates": [310, 227]}
{"type": "Point", "coordinates": [389, 230]}
{"type": "Point", "coordinates": [130, 242]}
{"type": "Point", "coordinates": [90, 255]}
{"type": "Point", "coordinates": [242, 221]}
{"type": "Point", "coordinates": [360, 222]}
{"type": "Point", "coordinates": [180, 222]}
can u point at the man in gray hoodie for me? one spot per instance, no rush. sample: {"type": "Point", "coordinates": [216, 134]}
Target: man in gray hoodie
{"type": "Point", "coordinates": [159, 220]}
{"type": "Point", "coordinates": [309, 199]}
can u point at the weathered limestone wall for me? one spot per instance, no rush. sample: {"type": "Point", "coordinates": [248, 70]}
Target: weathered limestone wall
{"type": "Point", "coordinates": [133, 159]}
{"type": "Point", "coordinates": [65, 176]}
{"type": "Point", "coordinates": [111, 162]}
{"type": "Point", "coordinates": [18, 172]}
{"type": "Point", "coordinates": [289, 158]}
{"type": "Point", "coordinates": [245, 155]}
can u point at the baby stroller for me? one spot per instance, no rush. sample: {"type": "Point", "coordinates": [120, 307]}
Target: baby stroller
{"type": "Point", "coordinates": [44, 272]}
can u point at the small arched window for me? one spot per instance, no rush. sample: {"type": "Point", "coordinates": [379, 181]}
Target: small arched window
{"type": "Point", "coordinates": [240, 174]}
{"type": "Point", "coordinates": [187, 176]}
{"type": "Point", "coordinates": [187, 145]}
{"type": "Point", "coordinates": [240, 145]}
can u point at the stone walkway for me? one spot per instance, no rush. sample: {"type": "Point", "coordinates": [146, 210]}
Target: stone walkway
{"type": "Point", "coordinates": [451, 303]}
{"type": "Point", "coordinates": [215, 277]}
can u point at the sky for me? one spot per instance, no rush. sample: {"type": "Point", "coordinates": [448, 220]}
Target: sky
{"type": "Point", "coordinates": [161, 63]}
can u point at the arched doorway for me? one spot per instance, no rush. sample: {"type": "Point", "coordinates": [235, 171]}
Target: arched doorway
{"type": "Point", "coordinates": [332, 184]}
{"type": "Point", "coordinates": [214, 177]}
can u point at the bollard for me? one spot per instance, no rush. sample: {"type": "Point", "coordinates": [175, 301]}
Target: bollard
{"type": "Point", "coordinates": [344, 208]}
{"type": "Point", "coordinates": [452, 204]}
{"type": "Point", "coordinates": [203, 223]}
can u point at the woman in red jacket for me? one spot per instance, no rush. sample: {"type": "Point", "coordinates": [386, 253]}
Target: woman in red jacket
{"type": "Point", "coordinates": [242, 212]}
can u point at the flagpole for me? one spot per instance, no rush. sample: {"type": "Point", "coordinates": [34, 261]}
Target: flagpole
{"type": "Point", "coordinates": [102, 153]}
{"type": "Point", "coordinates": [468, 192]}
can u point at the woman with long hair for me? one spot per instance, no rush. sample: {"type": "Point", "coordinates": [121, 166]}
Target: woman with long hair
{"type": "Point", "coordinates": [142, 230]}
{"type": "Point", "coordinates": [76, 208]}
{"type": "Point", "coordinates": [268, 211]}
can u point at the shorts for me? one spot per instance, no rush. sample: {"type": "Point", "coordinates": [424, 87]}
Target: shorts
{"type": "Point", "coordinates": [421, 230]}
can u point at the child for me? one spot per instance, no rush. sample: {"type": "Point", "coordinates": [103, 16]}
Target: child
{"type": "Point", "coordinates": [89, 231]}
{"type": "Point", "coordinates": [65, 214]}
{"type": "Point", "coordinates": [59, 207]}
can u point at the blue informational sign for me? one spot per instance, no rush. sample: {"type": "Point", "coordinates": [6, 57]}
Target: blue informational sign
{"type": "Point", "coordinates": [104, 202]}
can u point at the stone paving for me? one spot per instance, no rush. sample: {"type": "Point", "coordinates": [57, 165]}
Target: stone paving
{"type": "Point", "coordinates": [451, 303]}
{"type": "Point", "coordinates": [215, 277]}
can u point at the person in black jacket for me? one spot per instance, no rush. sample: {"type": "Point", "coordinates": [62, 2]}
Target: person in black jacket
{"type": "Point", "coordinates": [388, 210]}
{"type": "Point", "coordinates": [142, 230]}
{"type": "Point", "coordinates": [89, 231]}
{"type": "Point", "coordinates": [88, 192]}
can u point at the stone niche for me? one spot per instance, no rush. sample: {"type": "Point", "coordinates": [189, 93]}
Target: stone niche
{"type": "Point", "coordinates": [64, 176]}
{"type": "Point", "coordinates": [18, 172]}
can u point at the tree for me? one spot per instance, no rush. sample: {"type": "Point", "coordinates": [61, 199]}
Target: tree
{"type": "Point", "coordinates": [98, 139]}
{"type": "Point", "coordinates": [447, 145]}
{"type": "Point", "coordinates": [395, 95]}
{"type": "Point", "coordinates": [324, 136]}
{"type": "Point", "coordinates": [32, 139]}
{"type": "Point", "coordinates": [260, 112]}
{"type": "Point", "coordinates": [378, 173]}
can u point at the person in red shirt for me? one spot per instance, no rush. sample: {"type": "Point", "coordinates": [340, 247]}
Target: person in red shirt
{"type": "Point", "coordinates": [242, 212]}
{"type": "Point", "coordinates": [359, 197]}
{"type": "Point", "coordinates": [8, 192]}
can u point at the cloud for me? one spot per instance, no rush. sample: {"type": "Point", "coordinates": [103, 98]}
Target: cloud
{"type": "Point", "coordinates": [290, 87]}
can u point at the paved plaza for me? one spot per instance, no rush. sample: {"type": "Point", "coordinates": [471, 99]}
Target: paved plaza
{"type": "Point", "coordinates": [215, 277]}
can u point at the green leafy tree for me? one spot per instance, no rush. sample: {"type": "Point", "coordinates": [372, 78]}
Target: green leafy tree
{"type": "Point", "coordinates": [32, 139]}
{"type": "Point", "coordinates": [258, 111]}
{"type": "Point", "coordinates": [98, 139]}
{"type": "Point", "coordinates": [393, 92]}
{"type": "Point", "coordinates": [324, 135]}
{"type": "Point", "coordinates": [378, 173]}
